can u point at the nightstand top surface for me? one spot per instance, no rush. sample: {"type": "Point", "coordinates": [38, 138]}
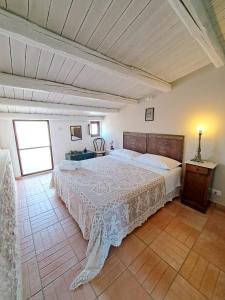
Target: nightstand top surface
{"type": "Point", "coordinates": [205, 164]}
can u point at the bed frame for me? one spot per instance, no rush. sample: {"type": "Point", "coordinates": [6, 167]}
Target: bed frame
{"type": "Point", "coordinates": [169, 145]}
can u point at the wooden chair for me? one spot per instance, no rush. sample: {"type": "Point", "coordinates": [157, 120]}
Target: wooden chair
{"type": "Point", "coordinates": [99, 145]}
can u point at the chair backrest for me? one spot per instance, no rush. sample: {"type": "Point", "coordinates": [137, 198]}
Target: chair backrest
{"type": "Point", "coordinates": [99, 144]}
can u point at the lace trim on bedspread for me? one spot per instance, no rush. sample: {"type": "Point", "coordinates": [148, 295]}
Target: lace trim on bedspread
{"type": "Point", "coordinates": [8, 252]}
{"type": "Point", "coordinates": [112, 222]}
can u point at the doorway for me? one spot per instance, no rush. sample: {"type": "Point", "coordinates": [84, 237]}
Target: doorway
{"type": "Point", "coordinates": [33, 146]}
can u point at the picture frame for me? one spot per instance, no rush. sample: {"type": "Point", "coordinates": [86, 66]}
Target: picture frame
{"type": "Point", "coordinates": [149, 114]}
{"type": "Point", "coordinates": [76, 133]}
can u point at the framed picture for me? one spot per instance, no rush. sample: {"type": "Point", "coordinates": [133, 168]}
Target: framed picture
{"type": "Point", "coordinates": [149, 114]}
{"type": "Point", "coordinates": [76, 133]}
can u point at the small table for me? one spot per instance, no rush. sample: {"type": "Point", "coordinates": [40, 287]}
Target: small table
{"type": "Point", "coordinates": [80, 155]}
{"type": "Point", "coordinates": [197, 184]}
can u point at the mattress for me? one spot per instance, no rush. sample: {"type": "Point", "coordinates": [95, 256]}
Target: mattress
{"type": "Point", "coordinates": [109, 197]}
{"type": "Point", "coordinates": [172, 177]}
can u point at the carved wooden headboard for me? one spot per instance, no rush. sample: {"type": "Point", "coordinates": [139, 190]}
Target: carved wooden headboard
{"type": "Point", "coordinates": [169, 145]}
{"type": "Point", "coordinates": [135, 141]}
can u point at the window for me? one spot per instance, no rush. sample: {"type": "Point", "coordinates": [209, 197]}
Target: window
{"type": "Point", "coordinates": [33, 146]}
{"type": "Point", "coordinates": [94, 128]}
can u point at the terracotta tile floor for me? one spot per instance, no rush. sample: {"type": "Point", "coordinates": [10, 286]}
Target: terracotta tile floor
{"type": "Point", "coordinates": [178, 253]}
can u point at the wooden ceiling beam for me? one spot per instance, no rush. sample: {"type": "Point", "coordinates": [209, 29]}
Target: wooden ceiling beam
{"type": "Point", "coordinates": [34, 116]}
{"type": "Point", "coordinates": [34, 35]}
{"type": "Point", "coordinates": [55, 106]}
{"type": "Point", "coordinates": [194, 16]}
{"type": "Point", "coordinates": [59, 88]}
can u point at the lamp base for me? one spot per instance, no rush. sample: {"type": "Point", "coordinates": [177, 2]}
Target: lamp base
{"type": "Point", "coordinates": [197, 158]}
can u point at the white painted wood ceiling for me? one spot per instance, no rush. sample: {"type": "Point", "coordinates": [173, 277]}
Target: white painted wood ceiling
{"type": "Point", "coordinates": [146, 34]}
{"type": "Point", "coordinates": [216, 11]}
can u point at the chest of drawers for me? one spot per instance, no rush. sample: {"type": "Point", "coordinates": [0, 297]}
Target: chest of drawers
{"type": "Point", "coordinates": [80, 155]}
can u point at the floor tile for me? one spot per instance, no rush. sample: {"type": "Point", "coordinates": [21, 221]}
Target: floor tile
{"type": "Point", "coordinates": [203, 275]}
{"type": "Point", "coordinates": [153, 273]}
{"type": "Point", "coordinates": [220, 288]}
{"type": "Point", "coordinates": [175, 239]}
{"type": "Point", "coordinates": [45, 254]}
{"type": "Point", "coordinates": [79, 245]}
{"type": "Point", "coordinates": [161, 287]}
{"type": "Point", "coordinates": [59, 289]}
{"type": "Point", "coordinates": [129, 249]}
{"type": "Point", "coordinates": [21, 192]}
{"type": "Point", "coordinates": [69, 226]}
{"type": "Point", "coordinates": [58, 268]}
{"type": "Point", "coordinates": [218, 217]}
{"type": "Point", "coordinates": [31, 279]}
{"type": "Point", "coordinates": [147, 232]}
{"type": "Point", "coordinates": [125, 288]}
{"type": "Point", "coordinates": [211, 251]}
{"type": "Point", "coordinates": [33, 190]}
{"type": "Point", "coordinates": [182, 290]}
{"type": "Point", "coordinates": [161, 219]}
{"type": "Point", "coordinates": [62, 213]}
{"type": "Point", "coordinates": [23, 213]}
{"type": "Point", "coordinates": [48, 237]}
{"type": "Point", "coordinates": [43, 220]}
{"type": "Point", "coordinates": [38, 296]}
{"type": "Point", "coordinates": [194, 269]}
{"type": "Point", "coordinates": [34, 199]}
{"type": "Point", "coordinates": [143, 264]}
{"type": "Point", "coordinates": [171, 250]}
{"type": "Point", "coordinates": [56, 201]}
{"type": "Point", "coordinates": [173, 207]}
{"type": "Point", "coordinates": [192, 218]}
{"type": "Point", "coordinates": [24, 227]}
{"type": "Point", "coordinates": [182, 232]}
{"type": "Point", "coordinates": [214, 231]}
{"type": "Point", "coordinates": [112, 269]}
{"type": "Point", "coordinates": [21, 202]}
{"type": "Point", "coordinates": [39, 208]}
{"type": "Point", "coordinates": [49, 258]}
{"type": "Point", "coordinates": [50, 192]}
{"type": "Point", "coordinates": [27, 250]}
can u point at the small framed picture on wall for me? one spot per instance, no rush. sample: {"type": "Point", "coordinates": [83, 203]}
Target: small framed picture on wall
{"type": "Point", "coordinates": [76, 133]}
{"type": "Point", "coordinates": [149, 114]}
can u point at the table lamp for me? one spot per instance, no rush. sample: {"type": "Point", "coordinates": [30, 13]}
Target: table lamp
{"type": "Point", "coordinates": [198, 157]}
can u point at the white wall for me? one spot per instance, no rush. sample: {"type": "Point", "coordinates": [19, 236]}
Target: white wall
{"type": "Point", "coordinates": [60, 139]}
{"type": "Point", "coordinates": [196, 99]}
{"type": "Point", "coordinates": [7, 141]}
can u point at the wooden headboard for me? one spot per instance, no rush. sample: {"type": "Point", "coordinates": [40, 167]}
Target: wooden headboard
{"type": "Point", "coordinates": [135, 141]}
{"type": "Point", "coordinates": [169, 145]}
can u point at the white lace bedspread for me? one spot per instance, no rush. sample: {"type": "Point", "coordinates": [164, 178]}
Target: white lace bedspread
{"type": "Point", "coordinates": [9, 268]}
{"type": "Point", "coordinates": [108, 199]}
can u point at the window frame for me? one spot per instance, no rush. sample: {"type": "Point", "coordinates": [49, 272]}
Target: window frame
{"type": "Point", "coordinates": [19, 149]}
{"type": "Point", "coordinates": [98, 126]}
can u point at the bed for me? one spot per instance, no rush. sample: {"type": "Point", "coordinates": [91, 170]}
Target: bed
{"type": "Point", "coordinates": [110, 196]}
{"type": "Point", "coordinates": [10, 279]}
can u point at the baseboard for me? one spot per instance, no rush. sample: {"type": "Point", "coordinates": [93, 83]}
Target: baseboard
{"type": "Point", "coordinates": [219, 206]}
{"type": "Point", "coordinates": [18, 177]}
{"type": "Point", "coordinates": [218, 202]}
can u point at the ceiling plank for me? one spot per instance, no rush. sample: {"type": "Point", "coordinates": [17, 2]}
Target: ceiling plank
{"type": "Point", "coordinates": [194, 16]}
{"type": "Point", "coordinates": [55, 106]}
{"type": "Point", "coordinates": [26, 83]}
{"type": "Point", "coordinates": [32, 116]}
{"type": "Point", "coordinates": [31, 34]}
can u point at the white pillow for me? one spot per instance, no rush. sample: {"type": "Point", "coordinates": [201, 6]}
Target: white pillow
{"type": "Point", "coordinates": [158, 161]}
{"type": "Point", "coordinates": [125, 153]}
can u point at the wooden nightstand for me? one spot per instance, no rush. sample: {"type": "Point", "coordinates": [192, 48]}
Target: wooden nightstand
{"type": "Point", "coordinates": [197, 183]}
